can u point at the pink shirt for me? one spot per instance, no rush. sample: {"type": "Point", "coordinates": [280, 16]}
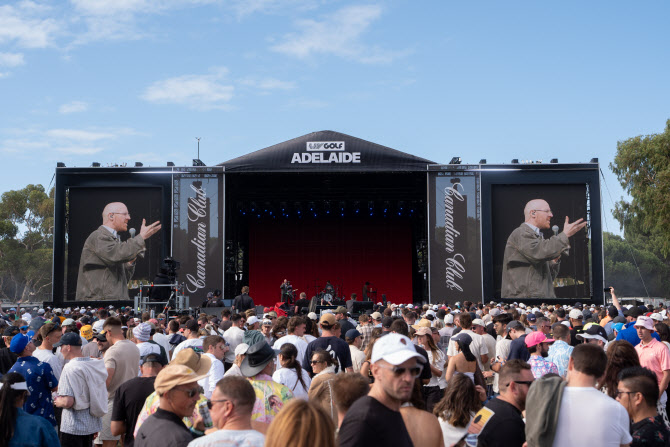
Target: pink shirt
{"type": "Point", "coordinates": [654, 356]}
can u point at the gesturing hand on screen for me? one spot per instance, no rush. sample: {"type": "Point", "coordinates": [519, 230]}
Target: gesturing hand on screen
{"type": "Point", "coordinates": [572, 228]}
{"type": "Point", "coordinates": [147, 231]}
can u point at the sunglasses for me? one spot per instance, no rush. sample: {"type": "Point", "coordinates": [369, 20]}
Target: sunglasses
{"type": "Point", "coordinates": [210, 403]}
{"type": "Point", "coordinates": [190, 393]}
{"type": "Point", "coordinates": [523, 382]}
{"type": "Point", "coordinates": [414, 371]}
{"type": "Point", "coordinates": [316, 362]}
{"type": "Point", "coordinates": [624, 392]}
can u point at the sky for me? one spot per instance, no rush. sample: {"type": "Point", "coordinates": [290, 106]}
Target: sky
{"type": "Point", "coordinates": [120, 81]}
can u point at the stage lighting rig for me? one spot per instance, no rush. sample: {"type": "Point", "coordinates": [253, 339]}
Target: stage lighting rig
{"type": "Point", "coordinates": [515, 161]}
{"type": "Point", "coordinates": [60, 164]}
{"type": "Point", "coordinates": [455, 161]}
{"type": "Point", "coordinates": [482, 161]}
{"type": "Point", "coordinates": [553, 160]}
{"type": "Point", "coordinates": [170, 163]}
{"type": "Point", "coordinates": [95, 164]}
{"type": "Point", "coordinates": [594, 160]}
{"type": "Point", "coordinates": [138, 164]}
{"type": "Point", "coordinates": [198, 162]}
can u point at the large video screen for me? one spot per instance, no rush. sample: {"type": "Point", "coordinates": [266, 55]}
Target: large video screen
{"type": "Point", "coordinates": [536, 261]}
{"type": "Point", "coordinates": [84, 217]}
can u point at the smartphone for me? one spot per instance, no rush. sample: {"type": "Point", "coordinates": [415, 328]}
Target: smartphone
{"type": "Point", "coordinates": [606, 289]}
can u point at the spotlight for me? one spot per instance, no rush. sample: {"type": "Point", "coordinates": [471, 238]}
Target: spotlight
{"type": "Point", "coordinates": [254, 207]}
{"type": "Point", "coordinates": [455, 161]}
{"type": "Point", "coordinates": [357, 207]}
{"type": "Point", "coordinates": [371, 208]}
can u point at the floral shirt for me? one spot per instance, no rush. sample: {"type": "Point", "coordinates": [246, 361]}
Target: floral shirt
{"type": "Point", "coordinates": [650, 432]}
{"type": "Point", "coordinates": [151, 405]}
{"type": "Point", "coordinates": [270, 398]}
{"type": "Point", "coordinates": [540, 366]}
{"type": "Point", "coordinates": [559, 355]}
{"type": "Point", "coordinates": [40, 380]}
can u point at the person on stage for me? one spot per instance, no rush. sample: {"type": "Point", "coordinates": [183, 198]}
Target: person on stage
{"type": "Point", "coordinates": [286, 292]}
{"type": "Point", "coordinates": [531, 262]}
{"type": "Point", "coordinates": [106, 263]}
{"type": "Point", "coordinates": [366, 291]}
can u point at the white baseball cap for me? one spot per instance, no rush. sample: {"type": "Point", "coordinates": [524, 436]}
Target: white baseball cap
{"type": "Point", "coordinates": [478, 322]}
{"type": "Point", "coordinates": [395, 349]}
{"type": "Point", "coordinates": [656, 316]}
{"type": "Point", "coordinates": [252, 320]}
{"type": "Point", "coordinates": [575, 314]}
{"type": "Point", "coordinates": [449, 319]}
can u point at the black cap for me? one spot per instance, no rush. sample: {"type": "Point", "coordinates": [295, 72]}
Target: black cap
{"type": "Point", "coordinates": [11, 331]}
{"type": "Point", "coordinates": [633, 312]}
{"type": "Point", "coordinates": [387, 322]}
{"type": "Point", "coordinates": [153, 358]}
{"type": "Point", "coordinates": [69, 338]}
{"type": "Point", "coordinates": [578, 305]}
{"type": "Point", "coordinates": [102, 336]}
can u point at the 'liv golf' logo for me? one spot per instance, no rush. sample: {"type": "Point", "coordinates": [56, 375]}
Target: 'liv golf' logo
{"type": "Point", "coordinates": [326, 152]}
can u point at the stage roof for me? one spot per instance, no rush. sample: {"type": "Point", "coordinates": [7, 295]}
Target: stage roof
{"type": "Point", "coordinates": [326, 151]}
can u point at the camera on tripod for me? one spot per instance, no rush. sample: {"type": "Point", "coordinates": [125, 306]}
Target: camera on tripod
{"type": "Point", "coordinates": [171, 266]}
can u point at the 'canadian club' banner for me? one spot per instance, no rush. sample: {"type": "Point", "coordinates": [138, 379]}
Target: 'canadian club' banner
{"type": "Point", "coordinates": [197, 232]}
{"type": "Point", "coordinates": [455, 255]}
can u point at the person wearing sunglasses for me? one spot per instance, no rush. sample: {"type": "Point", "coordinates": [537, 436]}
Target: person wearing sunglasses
{"type": "Point", "coordinates": [375, 419]}
{"type": "Point", "coordinates": [177, 386]}
{"type": "Point", "coordinates": [231, 407]}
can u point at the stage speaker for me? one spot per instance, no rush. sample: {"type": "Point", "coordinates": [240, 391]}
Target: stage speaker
{"type": "Point", "coordinates": [359, 307]}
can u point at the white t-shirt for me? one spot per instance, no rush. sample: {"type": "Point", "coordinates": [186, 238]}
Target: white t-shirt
{"type": "Point", "coordinates": [439, 364]}
{"type": "Point", "coordinates": [289, 378]}
{"type": "Point", "coordinates": [299, 343]}
{"type": "Point", "coordinates": [236, 438]}
{"type": "Point", "coordinates": [233, 337]}
{"type": "Point", "coordinates": [215, 374]}
{"type": "Point", "coordinates": [477, 347]}
{"type": "Point", "coordinates": [46, 356]}
{"type": "Point", "coordinates": [191, 342]}
{"type": "Point", "coordinates": [589, 417]}
{"type": "Point", "coordinates": [502, 351]}
{"type": "Point", "coordinates": [450, 433]}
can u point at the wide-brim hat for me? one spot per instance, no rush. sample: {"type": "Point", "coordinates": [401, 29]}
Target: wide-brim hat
{"type": "Point", "coordinates": [198, 363]}
{"type": "Point", "coordinates": [174, 375]}
{"type": "Point", "coordinates": [257, 357]}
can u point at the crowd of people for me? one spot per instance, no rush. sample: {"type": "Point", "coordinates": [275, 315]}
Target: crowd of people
{"type": "Point", "coordinates": [432, 375]}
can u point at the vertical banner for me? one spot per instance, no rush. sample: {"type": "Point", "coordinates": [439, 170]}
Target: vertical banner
{"type": "Point", "coordinates": [197, 224]}
{"type": "Point", "coordinates": [454, 227]}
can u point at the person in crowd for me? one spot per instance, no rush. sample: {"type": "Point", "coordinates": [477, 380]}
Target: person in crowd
{"type": "Point", "coordinates": [595, 334]}
{"type": "Point", "coordinates": [39, 376]}
{"type": "Point", "coordinates": [503, 343]}
{"type": "Point", "coordinates": [142, 334]}
{"type": "Point", "coordinates": [131, 395]}
{"type": "Point", "coordinates": [576, 318]}
{"type": "Point", "coordinates": [18, 428]}
{"type": "Point", "coordinates": [49, 334]}
{"type": "Point", "coordinates": [477, 345]}
{"type": "Point", "coordinates": [345, 324]}
{"type": "Point", "coordinates": [290, 373]}
{"type": "Point", "coordinates": [7, 357]}
{"type": "Point", "coordinates": [347, 389]}
{"type": "Point", "coordinates": [432, 392]}
{"type": "Point", "coordinates": [620, 355]}
{"type": "Point", "coordinates": [365, 327]}
{"type": "Point", "coordinates": [375, 419]}
{"type": "Point", "coordinates": [266, 330]}
{"type": "Point", "coordinates": [655, 356]}
{"type": "Point", "coordinates": [253, 335]}
{"type": "Point", "coordinates": [174, 336]}
{"type": "Point", "coordinates": [461, 401]}
{"type": "Point", "coordinates": [97, 347]}
{"type": "Point", "coordinates": [215, 348]}
{"type": "Point", "coordinates": [320, 390]}
{"type": "Point", "coordinates": [629, 333]}
{"type": "Point", "coordinates": [258, 366]}
{"type": "Point", "coordinates": [479, 328]}
{"type": "Point", "coordinates": [464, 362]}
{"type": "Point", "coordinates": [301, 424]}
{"type": "Point", "coordinates": [296, 330]}
{"type": "Point", "coordinates": [518, 348]}
{"type": "Point", "coordinates": [422, 426]}
{"type": "Point", "coordinates": [240, 352]}
{"type": "Point", "coordinates": [196, 362]}
{"type": "Point", "coordinates": [243, 302]}
{"type": "Point", "coordinates": [354, 340]}
{"type": "Point", "coordinates": [506, 427]}
{"type": "Point", "coordinates": [399, 327]}
{"type": "Point", "coordinates": [560, 350]}
{"type": "Point", "coordinates": [81, 394]}
{"type": "Point", "coordinates": [233, 336]}
{"type": "Point", "coordinates": [330, 342]}
{"type": "Point", "coordinates": [193, 339]}
{"type": "Point", "coordinates": [106, 263]}
{"type": "Point", "coordinates": [177, 386]}
{"type": "Point", "coordinates": [122, 361]}
{"type": "Point", "coordinates": [538, 347]}
{"type": "Point", "coordinates": [585, 415]}
{"type": "Point", "coordinates": [638, 393]}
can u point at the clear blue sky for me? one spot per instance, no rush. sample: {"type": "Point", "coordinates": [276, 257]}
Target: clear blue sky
{"type": "Point", "coordinates": [137, 80]}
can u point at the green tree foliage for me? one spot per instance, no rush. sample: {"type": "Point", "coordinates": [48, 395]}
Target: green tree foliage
{"type": "Point", "coordinates": [642, 166]}
{"type": "Point", "coordinates": [622, 274]}
{"type": "Point", "coordinates": [26, 241]}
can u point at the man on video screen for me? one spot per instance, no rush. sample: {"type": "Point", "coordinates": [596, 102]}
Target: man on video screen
{"type": "Point", "coordinates": [531, 262]}
{"type": "Point", "coordinates": [106, 263]}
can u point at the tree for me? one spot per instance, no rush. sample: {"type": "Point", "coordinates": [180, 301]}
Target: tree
{"type": "Point", "coordinates": [26, 241]}
{"type": "Point", "coordinates": [642, 166]}
{"type": "Point", "coordinates": [621, 272]}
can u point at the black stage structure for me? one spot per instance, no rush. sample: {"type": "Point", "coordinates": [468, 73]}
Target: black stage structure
{"type": "Point", "coordinates": [327, 206]}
